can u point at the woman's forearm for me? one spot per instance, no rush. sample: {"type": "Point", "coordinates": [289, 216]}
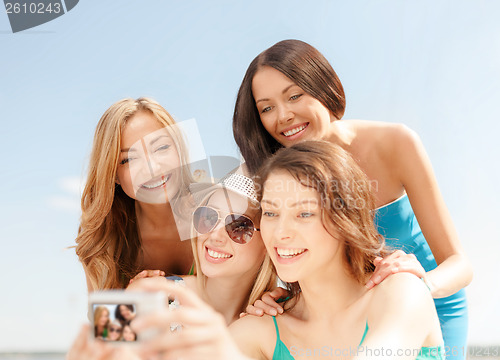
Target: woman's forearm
{"type": "Point", "coordinates": [450, 276]}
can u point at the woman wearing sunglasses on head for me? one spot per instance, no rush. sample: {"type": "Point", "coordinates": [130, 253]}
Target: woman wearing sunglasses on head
{"type": "Point", "coordinates": [290, 93]}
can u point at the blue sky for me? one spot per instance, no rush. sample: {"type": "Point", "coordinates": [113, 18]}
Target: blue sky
{"type": "Point", "coordinates": [432, 65]}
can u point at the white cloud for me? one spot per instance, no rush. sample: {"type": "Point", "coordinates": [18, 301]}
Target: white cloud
{"type": "Point", "coordinates": [72, 184]}
{"type": "Point", "coordinates": [71, 188]}
{"type": "Point", "coordinates": [64, 203]}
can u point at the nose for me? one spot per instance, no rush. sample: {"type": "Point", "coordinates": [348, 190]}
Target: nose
{"type": "Point", "coordinates": [154, 166]}
{"type": "Point", "coordinates": [283, 230]}
{"type": "Point", "coordinates": [285, 114]}
{"type": "Point", "coordinates": [218, 235]}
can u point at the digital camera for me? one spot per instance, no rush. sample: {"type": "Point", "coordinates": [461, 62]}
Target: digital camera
{"type": "Point", "coordinates": [112, 312]}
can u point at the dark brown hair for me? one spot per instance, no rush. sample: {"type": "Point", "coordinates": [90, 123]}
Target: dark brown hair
{"type": "Point", "coordinates": [346, 199]}
{"type": "Point", "coordinates": [305, 66]}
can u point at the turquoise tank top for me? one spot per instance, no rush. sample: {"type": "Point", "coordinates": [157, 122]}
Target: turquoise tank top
{"type": "Point", "coordinates": [396, 221]}
{"type": "Point", "coordinates": [281, 351]}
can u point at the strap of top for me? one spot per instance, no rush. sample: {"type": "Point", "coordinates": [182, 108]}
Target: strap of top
{"type": "Point", "coordinates": [191, 271]}
{"type": "Point", "coordinates": [277, 330]}
{"type": "Point", "coordinates": [364, 334]}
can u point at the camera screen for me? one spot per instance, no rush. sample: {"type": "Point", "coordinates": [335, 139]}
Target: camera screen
{"type": "Point", "coordinates": [112, 322]}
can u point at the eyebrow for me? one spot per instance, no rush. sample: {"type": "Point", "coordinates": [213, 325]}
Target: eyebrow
{"type": "Point", "coordinates": [150, 143]}
{"type": "Point", "coordinates": [284, 91]}
{"type": "Point", "coordinates": [300, 202]}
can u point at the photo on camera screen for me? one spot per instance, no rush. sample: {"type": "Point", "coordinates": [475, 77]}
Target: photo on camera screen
{"type": "Point", "coordinates": [112, 321]}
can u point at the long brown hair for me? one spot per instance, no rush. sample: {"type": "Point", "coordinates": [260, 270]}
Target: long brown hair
{"type": "Point", "coordinates": [305, 66]}
{"type": "Point", "coordinates": [346, 199]}
{"type": "Point", "coordinates": [108, 242]}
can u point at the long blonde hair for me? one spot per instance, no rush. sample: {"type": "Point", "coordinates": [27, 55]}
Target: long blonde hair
{"type": "Point", "coordinates": [97, 315]}
{"type": "Point", "coordinates": [108, 241]}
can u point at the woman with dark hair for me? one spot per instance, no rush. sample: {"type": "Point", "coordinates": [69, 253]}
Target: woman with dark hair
{"type": "Point", "coordinates": [290, 93]}
{"type": "Point", "coordinates": [124, 313]}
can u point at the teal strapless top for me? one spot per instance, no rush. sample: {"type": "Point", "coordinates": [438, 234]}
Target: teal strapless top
{"type": "Point", "coordinates": [396, 221]}
{"type": "Point", "coordinates": [398, 224]}
{"type": "Point", "coordinates": [281, 351]}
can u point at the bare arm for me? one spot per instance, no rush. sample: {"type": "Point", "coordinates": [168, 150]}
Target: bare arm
{"type": "Point", "coordinates": [413, 167]}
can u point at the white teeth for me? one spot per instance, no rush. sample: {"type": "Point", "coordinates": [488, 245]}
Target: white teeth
{"type": "Point", "coordinates": [288, 253]}
{"type": "Point", "coordinates": [217, 255]}
{"type": "Point", "coordinates": [156, 184]}
{"type": "Point", "coordinates": [295, 131]}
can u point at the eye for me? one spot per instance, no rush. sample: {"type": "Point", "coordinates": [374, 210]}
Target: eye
{"type": "Point", "coordinates": [295, 97]}
{"type": "Point", "coordinates": [266, 109]}
{"type": "Point", "coordinates": [269, 214]}
{"type": "Point", "coordinates": [305, 214]}
{"type": "Point", "coordinates": [163, 147]}
{"type": "Point", "coordinates": [126, 160]}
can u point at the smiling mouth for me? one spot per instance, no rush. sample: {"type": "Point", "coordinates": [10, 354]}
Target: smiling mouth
{"type": "Point", "coordinates": [154, 184]}
{"type": "Point", "coordinates": [296, 130]}
{"type": "Point", "coordinates": [289, 253]}
{"type": "Point", "coordinates": [217, 255]}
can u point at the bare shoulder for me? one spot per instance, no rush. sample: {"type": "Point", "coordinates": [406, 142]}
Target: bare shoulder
{"type": "Point", "coordinates": [255, 336]}
{"type": "Point", "coordinates": [401, 293]}
{"type": "Point", "coordinates": [397, 283]}
{"type": "Point", "coordinates": [402, 304]}
{"type": "Point", "coordinates": [380, 132]}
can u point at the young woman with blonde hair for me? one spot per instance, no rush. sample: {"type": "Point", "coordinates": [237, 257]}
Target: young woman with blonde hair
{"type": "Point", "coordinates": [233, 269]}
{"type": "Point", "coordinates": [136, 202]}
{"type": "Point", "coordinates": [101, 322]}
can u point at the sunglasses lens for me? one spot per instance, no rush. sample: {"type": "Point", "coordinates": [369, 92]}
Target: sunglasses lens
{"type": "Point", "coordinates": [239, 228]}
{"type": "Point", "coordinates": [205, 219]}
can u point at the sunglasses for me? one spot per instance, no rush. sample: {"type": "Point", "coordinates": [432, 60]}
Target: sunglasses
{"type": "Point", "coordinates": [240, 228]}
{"type": "Point", "coordinates": [115, 330]}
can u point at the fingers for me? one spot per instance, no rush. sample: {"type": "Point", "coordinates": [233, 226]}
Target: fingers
{"type": "Point", "coordinates": [84, 349]}
{"type": "Point", "coordinates": [253, 310]}
{"type": "Point", "coordinates": [79, 344]}
{"type": "Point", "coordinates": [199, 327]}
{"type": "Point", "coordinates": [185, 296]}
{"type": "Point", "coordinates": [147, 273]}
{"type": "Point", "coordinates": [413, 267]}
{"type": "Point", "coordinates": [278, 292]}
{"type": "Point", "coordinates": [269, 306]}
{"type": "Point", "coordinates": [396, 262]}
{"type": "Point", "coordinates": [187, 316]}
{"type": "Point", "coordinates": [269, 299]}
{"type": "Point", "coordinates": [147, 284]}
